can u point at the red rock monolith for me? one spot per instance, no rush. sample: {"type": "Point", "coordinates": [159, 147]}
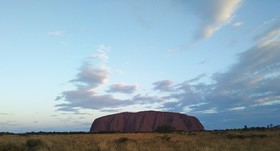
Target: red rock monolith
{"type": "Point", "coordinates": [145, 121]}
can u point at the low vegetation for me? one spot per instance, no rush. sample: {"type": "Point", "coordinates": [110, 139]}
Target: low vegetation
{"type": "Point", "coordinates": [217, 140]}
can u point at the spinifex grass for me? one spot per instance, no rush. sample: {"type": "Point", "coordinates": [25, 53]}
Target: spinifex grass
{"type": "Point", "coordinates": [238, 140]}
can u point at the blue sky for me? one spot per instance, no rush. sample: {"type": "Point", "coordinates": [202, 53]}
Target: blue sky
{"type": "Point", "coordinates": [64, 63]}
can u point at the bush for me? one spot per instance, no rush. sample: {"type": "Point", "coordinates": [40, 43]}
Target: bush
{"type": "Point", "coordinates": [121, 144]}
{"type": "Point", "coordinates": [10, 147]}
{"type": "Point", "coordinates": [165, 137]}
{"type": "Point", "coordinates": [34, 144]}
{"type": "Point", "coordinates": [122, 140]}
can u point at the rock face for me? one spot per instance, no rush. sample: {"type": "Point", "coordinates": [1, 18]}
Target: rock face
{"type": "Point", "coordinates": [146, 121]}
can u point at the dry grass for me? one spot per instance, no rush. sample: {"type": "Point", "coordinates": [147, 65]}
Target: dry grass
{"type": "Point", "coordinates": [265, 140]}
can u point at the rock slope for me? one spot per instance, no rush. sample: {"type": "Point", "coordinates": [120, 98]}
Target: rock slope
{"type": "Point", "coordinates": [146, 121]}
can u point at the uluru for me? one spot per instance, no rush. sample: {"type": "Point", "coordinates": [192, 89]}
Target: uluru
{"type": "Point", "coordinates": [145, 121]}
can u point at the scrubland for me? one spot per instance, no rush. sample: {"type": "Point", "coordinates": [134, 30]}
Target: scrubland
{"type": "Point", "coordinates": [233, 140]}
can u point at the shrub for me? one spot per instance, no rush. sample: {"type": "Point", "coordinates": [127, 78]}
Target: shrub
{"type": "Point", "coordinates": [121, 144]}
{"type": "Point", "coordinates": [122, 140]}
{"type": "Point", "coordinates": [34, 144]}
{"type": "Point", "coordinates": [10, 147]}
{"type": "Point", "coordinates": [165, 137]}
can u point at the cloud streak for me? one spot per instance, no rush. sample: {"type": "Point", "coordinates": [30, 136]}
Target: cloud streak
{"type": "Point", "coordinates": [213, 15]}
{"type": "Point", "coordinates": [6, 114]}
{"type": "Point", "coordinates": [102, 53]}
{"type": "Point", "coordinates": [237, 24]}
{"type": "Point", "coordinates": [57, 33]}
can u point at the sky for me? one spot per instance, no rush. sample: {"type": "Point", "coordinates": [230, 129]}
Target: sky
{"type": "Point", "coordinates": [64, 63]}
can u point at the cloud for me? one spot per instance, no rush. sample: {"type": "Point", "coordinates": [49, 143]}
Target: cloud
{"type": "Point", "coordinates": [249, 88]}
{"type": "Point", "coordinates": [214, 14]}
{"type": "Point", "coordinates": [145, 99]}
{"type": "Point", "coordinates": [163, 86]}
{"type": "Point", "coordinates": [208, 111]}
{"type": "Point", "coordinates": [57, 33]}
{"type": "Point", "coordinates": [85, 98]}
{"type": "Point", "coordinates": [6, 114]}
{"type": "Point", "coordinates": [7, 124]}
{"type": "Point", "coordinates": [237, 24]}
{"type": "Point", "coordinates": [196, 79]}
{"type": "Point", "coordinates": [87, 81]}
{"type": "Point", "coordinates": [186, 97]}
{"type": "Point", "coordinates": [270, 36]}
{"type": "Point", "coordinates": [100, 56]}
{"type": "Point", "coordinates": [250, 85]}
{"type": "Point", "coordinates": [66, 108]}
{"type": "Point", "coordinates": [87, 93]}
{"type": "Point", "coordinates": [237, 108]}
{"type": "Point", "coordinates": [122, 88]}
{"type": "Point", "coordinates": [262, 25]}
{"type": "Point", "coordinates": [102, 53]}
{"type": "Point", "coordinates": [92, 76]}
{"type": "Point", "coordinates": [251, 79]}
{"type": "Point", "coordinates": [256, 71]}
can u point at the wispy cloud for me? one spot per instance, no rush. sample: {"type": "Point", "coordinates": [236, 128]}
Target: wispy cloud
{"type": "Point", "coordinates": [270, 36]}
{"type": "Point", "coordinates": [6, 114]}
{"type": "Point", "coordinates": [237, 24]}
{"type": "Point", "coordinates": [262, 25]}
{"type": "Point", "coordinates": [196, 79]}
{"type": "Point", "coordinates": [208, 111]}
{"type": "Point", "coordinates": [214, 14]}
{"type": "Point", "coordinates": [100, 56]}
{"type": "Point", "coordinates": [9, 123]}
{"type": "Point", "coordinates": [145, 99]}
{"type": "Point", "coordinates": [57, 33]}
{"type": "Point", "coordinates": [102, 53]}
{"type": "Point", "coordinates": [237, 108]}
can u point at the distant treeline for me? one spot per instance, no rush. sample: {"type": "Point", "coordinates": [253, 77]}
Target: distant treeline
{"type": "Point", "coordinates": [270, 126]}
{"type": "Point", "coordinates": [162, 129]}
